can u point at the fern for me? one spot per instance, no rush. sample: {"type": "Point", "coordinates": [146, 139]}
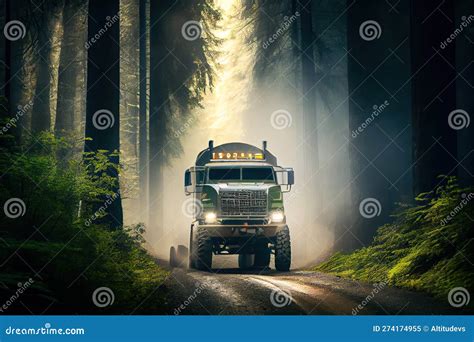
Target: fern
{"type": "Point", "coordinates": [422, 249]}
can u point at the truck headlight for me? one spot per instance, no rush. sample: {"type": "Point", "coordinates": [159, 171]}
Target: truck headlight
{"type": "Point", "coordinates": [210, 217]}
{"type": "Point", "coordinates": [277, 216]}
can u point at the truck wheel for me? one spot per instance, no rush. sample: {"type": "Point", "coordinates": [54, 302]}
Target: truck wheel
{"type": "Point", "coordinates": [245, 261]}
{"type": "Point", "coordinates": [181, 255]}
{"type": "Point", "coordinates": [192, 250]}
{"type": "Point", "coordinates": [262, 256]}
{"type": "Point", "coordinates": [283, 250]}
{"type": "Point", "coordinates": [203, 246]}
{"type": "Point", "coordinates": [173, 262]}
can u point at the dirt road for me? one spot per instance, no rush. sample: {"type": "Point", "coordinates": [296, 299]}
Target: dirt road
{"type": "Point", "coordinates": [229, 291]}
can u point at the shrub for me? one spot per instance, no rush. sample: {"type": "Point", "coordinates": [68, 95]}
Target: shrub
{"type": "Point", "coordinates": [55, 242]}
{"type": "Point", "coordinates": [429, 246]}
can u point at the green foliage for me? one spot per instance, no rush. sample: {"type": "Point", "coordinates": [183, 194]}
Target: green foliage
{"type": "Point", "coordinates": [56, 242]}
{"type": "Point", "coordinates": [186, 82]}
{"type": "Point", "coordinates": [429, 247]}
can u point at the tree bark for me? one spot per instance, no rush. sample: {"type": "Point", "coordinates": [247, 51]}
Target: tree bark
{"type": "Point", "coordinates": [433, 92]}
{"type": "Point", "coordinates": [70, 68]}
{"type": "Point", "coordinates": [41, 116]}
{"type": "Point", "coordinates": [310, 135]}
{"type": "Point", "coordinates": [159, 103]}
{"type": "Point", "coordinates": [143, 131]}
{"type": "Point", "coordinates": [379, 114]}
{"type": "Point", "coordinates": [464, 88]}
{"type": "Point", "coordinates": [4, 49]}
{"type": "Point", "coordinates": [103, 92]}
{"type": "Point", "coordinates": [14, 71]}
{"type": "Point", "coordinates": [309, 81]}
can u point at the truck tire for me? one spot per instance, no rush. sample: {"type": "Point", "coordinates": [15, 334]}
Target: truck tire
{"type": "Point", "coordinates": [181, 255]}
{"type": "Point", "coordinates": [173, 262]}
{"type": "Point", "coordinates": [192, 250]}
{"type": "Point", "coordinates": [245, 261]}
{"type": "Point", "coordinates": [262, 256]}
{"type": "Point", "coordinates": [203, 252]}
{"type": "Point", "coordinates": [283, 250]}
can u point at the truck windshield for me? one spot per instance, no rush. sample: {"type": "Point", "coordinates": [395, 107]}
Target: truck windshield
{"type": "Point", "coordinates": [224, 174]}
{"type": "Point", "coordinates": [257, 173]}
{"type": "Point", "coordinates": [254, 174]}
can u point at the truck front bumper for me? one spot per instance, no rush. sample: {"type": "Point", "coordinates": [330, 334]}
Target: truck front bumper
{"type": "Point", "coordinates": [243, 230]}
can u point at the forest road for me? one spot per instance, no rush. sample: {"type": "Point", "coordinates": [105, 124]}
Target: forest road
{"type": "Point", "coordinates": [231, 291]}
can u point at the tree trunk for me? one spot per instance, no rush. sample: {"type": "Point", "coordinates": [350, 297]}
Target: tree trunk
{"type": "Point", "coordinates": [41, 117]}
{"type": "Point", "coordinates": [103, 93]}
{"type": "Point", "coordinates": [330, 32]}
{"type": "Point", "coordinates": [159, 104]}
{"type": "Point", "coordinates": [464, 88]}
{"type": "Point", "coordinates": [308, 86]}
{"type": "Point", "coordinates": [433, 92]}
{"type": "Point", "coordinates": [14, 76]}
{"type": "Point", "coordinates": [379, 115]}
{"type": "Point", "coordinates": [143, 131]}
{"type": "Point", "coordinates": [129, 102]}
{"type": "Point", "coordinates": [4, 50]}
{"type": "Point", "coordinates": [310, 135]}
{"type": "Point", "coordinates": [70, 68]}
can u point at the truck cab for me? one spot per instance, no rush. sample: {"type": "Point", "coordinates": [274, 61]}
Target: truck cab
{"type": "Point", "coordinates": [237, 194]}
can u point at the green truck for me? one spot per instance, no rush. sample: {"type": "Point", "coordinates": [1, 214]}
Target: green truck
{"type": "Point", "coordinates": [237, 194]}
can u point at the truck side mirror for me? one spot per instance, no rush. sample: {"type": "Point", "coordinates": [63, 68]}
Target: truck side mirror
{"type": "Point", "coordinates": [291, 177]}
{"type": "Point", "coordinates": [188, 183]}
{"type": "Point", "coordinates": [285, 177]}
{"type": "Point", "coordinates": [193, 180]}
{"type": "Point", "coordinates": [187, 178]}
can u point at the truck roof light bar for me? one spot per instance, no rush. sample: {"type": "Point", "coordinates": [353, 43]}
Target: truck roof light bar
{"type": "Point", "coordinates": [235, 151]}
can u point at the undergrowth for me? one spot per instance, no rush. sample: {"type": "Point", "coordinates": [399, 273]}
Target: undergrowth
{"type": "Point", "coordinates": [429, 247]}
{"type": "Point", "coordinates": [59, 243]}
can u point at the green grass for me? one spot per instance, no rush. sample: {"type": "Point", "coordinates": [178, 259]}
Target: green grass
{"type": "Point", "coordinates": [420, 250]}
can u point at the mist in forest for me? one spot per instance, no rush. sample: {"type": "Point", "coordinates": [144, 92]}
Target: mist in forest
{"type": "Point", "coordinates": [242, 109]}
{"type": "Point", "coordinates": [307, 81]}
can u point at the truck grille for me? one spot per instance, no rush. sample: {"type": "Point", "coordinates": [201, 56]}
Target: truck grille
{"type": "Point", "coordinates": [243, 202]}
